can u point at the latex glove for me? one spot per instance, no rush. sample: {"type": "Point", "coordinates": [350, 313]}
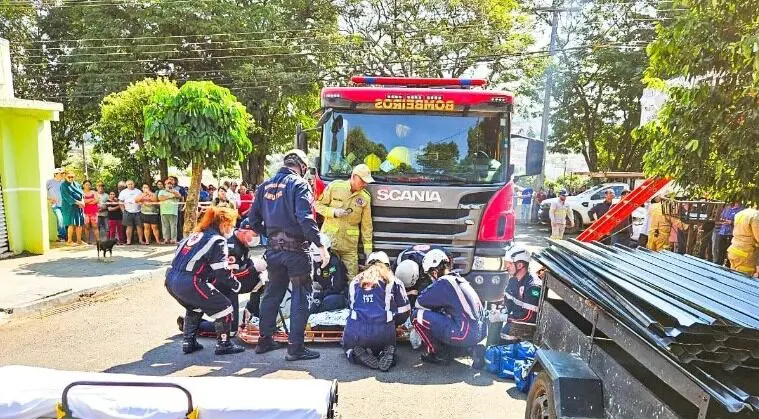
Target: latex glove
{"type": "Point", "coordinates": [259, 264]}
{"type": "Point", "coordinates": [325, 256]}
{"type": "Point", "coordinates": [339, 212]}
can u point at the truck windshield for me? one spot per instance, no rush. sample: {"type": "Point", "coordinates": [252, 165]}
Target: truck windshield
{"type": "Point", "coordinates": [416, 148]}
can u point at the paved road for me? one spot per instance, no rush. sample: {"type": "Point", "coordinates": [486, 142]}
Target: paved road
{"type": "Point", "coordinates": [132, 330]}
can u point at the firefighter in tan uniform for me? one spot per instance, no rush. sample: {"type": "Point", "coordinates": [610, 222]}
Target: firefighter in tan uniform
{"type": "Point", "coordinates": [346, 208]}
{"type": "Point", "coordinates": [659, 226]}
{"type": "Point", "coordinates": [743, 252]}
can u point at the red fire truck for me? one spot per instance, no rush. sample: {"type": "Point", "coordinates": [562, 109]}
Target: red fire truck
{"type": "Point", "coordinates": [442, 156]}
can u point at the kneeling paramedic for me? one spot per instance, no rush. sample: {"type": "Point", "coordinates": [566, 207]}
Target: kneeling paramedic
{"type": "Point", "coordinates": [282, 211]}
{"type": "Point", "coordinates": [332, 280]}
{"type": "Point", "coordinates": [520, 304]}
{"type": "Point", "coordinates": [378, 302]}
{"type": "Point", "coordinates": [251, 272]}
{"type": "Point", "coordinates": [200, 264]}
{"type": "Point", "coordinates": [448, 313]}
{"type": "Point", "coordinates": [409, 269]}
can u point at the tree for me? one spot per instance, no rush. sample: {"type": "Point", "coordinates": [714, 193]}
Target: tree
{"type": "Point", "coordinates": [121, 129]}
{"type": "Point", "coordinates": [707, 133]}
{"type": "Point", "coordinates": [437, 38]}
{"type": "Point", "coordinates": [202, 125]}
{"type": "Point", "coordinates": [599, 85]}
{"type": "Point", "coordinates": [437, 156]}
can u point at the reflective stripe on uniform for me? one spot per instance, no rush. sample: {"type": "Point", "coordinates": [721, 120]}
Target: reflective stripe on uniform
{"type": "Point", "coordinates": [465, 304]}
{"type": "Point", "coordinates": [219, 265]}
{"type": "Point", "coordinates": [222, 313]}
{"type": "Point", "coordinates": [521, 303]}
{"type": "Point", "coordinates": [388, 299]}
{"type": "Point", "coordinates": [202, 252]}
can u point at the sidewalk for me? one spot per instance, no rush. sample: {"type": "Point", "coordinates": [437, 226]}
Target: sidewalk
{"type": "Point", "coordinates": [34, 283]}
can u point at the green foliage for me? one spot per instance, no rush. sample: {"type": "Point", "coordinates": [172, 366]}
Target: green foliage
{"type": "Point", "coordinates": [201, 123]}
{"type": "Point", "coordinates": [121, 128]}
{"type": "Point", "coordinates": [358, 144]}
{"type": "Point", "coordinates": [707, 133]}
{"type": "Point", "coordinates": [598, 87]}
{"type": "Point", "coordinates": [439, 156]}
{"type": "Point", "coordinates": [437, 38]}
{"type": "Point", "coordinates": [572, 183]}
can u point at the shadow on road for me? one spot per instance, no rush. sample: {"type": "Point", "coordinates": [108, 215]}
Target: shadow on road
{"type": "Point", "coordinates": [84, 263]}
{"type": "Point", "coordinates": [168, 359]}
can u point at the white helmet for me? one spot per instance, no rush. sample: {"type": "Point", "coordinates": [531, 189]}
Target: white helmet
{"type": "Point", "coordinates": [517, 254]}
{"type": "Point", "coordinates": [407, 272]}
{"type": "Point", "coordinates": [433, 259]}
{"type": "Point", "coordinates": [378, 257]}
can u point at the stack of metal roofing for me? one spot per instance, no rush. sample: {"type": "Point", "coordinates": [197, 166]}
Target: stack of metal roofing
{"type": "Point", "coordinates": [705, 317]}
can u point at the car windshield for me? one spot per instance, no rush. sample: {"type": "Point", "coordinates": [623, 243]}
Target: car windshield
{"type": "Point", "coordinates": [416, 148]}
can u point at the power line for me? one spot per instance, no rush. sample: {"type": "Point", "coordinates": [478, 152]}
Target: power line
{"type": "Point", "coordinates": [261, 32]}
{"type": "Point", "coordinates": [273, 55]}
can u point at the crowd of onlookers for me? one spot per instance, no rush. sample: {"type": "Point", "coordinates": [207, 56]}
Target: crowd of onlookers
{"type": "Point", "coordinates": [152, 213]}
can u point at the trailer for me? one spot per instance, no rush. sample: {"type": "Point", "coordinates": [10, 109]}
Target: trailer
{"type": "Point", "coordinates": [593, 362]}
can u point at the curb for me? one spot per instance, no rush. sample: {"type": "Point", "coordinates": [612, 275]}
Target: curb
{"type": "Point", "coordinates": [74, 295]}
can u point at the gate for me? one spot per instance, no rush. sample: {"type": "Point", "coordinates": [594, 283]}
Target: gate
{"type": "Point", "coordinates": [5, 250]}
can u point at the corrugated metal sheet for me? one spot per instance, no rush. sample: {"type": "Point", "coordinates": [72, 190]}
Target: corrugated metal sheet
{"type": "Point", "coordinates": [4, 244]}
{"type": "Point", "coordinates": [703, 316]}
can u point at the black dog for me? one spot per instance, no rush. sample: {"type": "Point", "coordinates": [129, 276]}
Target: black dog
{"type": "Point", "coordinates": [106, 246]}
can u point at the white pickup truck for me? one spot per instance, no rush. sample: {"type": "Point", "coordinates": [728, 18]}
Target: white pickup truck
{"type": "Point", "coordinates": [582, 203]}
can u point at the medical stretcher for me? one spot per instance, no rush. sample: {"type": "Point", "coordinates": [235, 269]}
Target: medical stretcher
{"type": "Point", "coordinates": [32, 393]}
{"type": "Point", "coordinates": [249, 334]}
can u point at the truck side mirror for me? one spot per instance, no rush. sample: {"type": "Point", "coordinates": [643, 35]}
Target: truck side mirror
{"type": "Point", "coordinates": [337, 125]}
{"type": "Point", "coordinates": [324, 118]}
{"type": "Point", "coordinates": [302, 141]}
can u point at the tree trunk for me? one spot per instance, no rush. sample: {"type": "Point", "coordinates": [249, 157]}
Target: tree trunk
{"type": "Point", "coordinates": [258, 168]}
{"type": "Point", "coordinates": [163, 166]}
{"type": "Point", "coordinates": [191, 205]}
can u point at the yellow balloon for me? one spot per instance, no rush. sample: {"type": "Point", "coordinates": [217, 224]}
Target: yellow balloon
{"type": "Point", "coordinates": [373, 162]}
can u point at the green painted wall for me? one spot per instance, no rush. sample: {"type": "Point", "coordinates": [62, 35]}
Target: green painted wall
{"type": "Point", "coordinates": [26, 162]}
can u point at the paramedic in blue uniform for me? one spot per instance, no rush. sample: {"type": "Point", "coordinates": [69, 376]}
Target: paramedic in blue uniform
{"type": "Point", "coordinates": [245, 269]}
{"type": "Point", "coordinates": [282, 211]}
{"type": "Point", "coordinates": [201, 265]}
{"type": "Point", "coordinates": [448, 313]}
{"type": "Point", "coordinates": [405, 271]}
{"type": "Point", "coordinates": [332, 280]}
{"type": "Point", "coordinates": [378, 302]}
{"type": "Point", "coordinates": [520, 304]}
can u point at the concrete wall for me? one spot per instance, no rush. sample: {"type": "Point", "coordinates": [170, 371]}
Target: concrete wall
{"type": "Point", "coordinates": [26, 163]}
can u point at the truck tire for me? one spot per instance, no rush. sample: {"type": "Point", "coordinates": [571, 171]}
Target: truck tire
{"type": "Point", "coordinates": [540, 400]}
{"type": "Point", "coordinates": [578, 227]}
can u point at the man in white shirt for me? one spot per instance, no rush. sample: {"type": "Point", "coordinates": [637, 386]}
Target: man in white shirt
{"type": "Point", "coordinates": [131, 211]}
{"type": "Point", "coordinates": [53, 187]}
{"type": "Point", "coordinates": [233, 194]}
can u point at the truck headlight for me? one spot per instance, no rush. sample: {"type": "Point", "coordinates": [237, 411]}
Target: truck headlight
{"type": "Point", "coordinates": [485, 263]}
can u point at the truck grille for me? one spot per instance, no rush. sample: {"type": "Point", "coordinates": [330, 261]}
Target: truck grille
{"type": "Point", "coordinates": [396, 228]}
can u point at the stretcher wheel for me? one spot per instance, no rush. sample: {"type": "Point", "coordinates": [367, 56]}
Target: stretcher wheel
{"type": "Point", "coordinates": [540, 400]}
{"type": "Point", "coordinates": [65, 410]}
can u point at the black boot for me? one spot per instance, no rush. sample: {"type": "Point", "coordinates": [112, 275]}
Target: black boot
{"type": "Point", "coordinates": [224, 346]}
{"type": "Point", "coordinates": [436, 358]}
{"type": "Point", "coordinates": [387, 358]}
{"type": "Point", "coordinates": [266, 344]}
{"type": "Point", "coordinates": [478, 357]}
{"type": "Point", "coordinates": [190, 327]}
{"type": "Point", "coordinates": [296, 352]}
{"type": "Point", "coordinates": [363, 356]}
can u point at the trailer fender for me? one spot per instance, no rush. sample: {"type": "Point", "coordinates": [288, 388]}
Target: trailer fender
{"type": "Point", "coordinates": [577, 390]}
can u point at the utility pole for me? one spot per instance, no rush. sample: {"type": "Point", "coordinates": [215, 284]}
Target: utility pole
{"type": "Point", "coordinates": [548, 87]}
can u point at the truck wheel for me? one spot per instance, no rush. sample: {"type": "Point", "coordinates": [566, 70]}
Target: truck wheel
{"type": "Point", "coordinates": [578, 223]}
{"type": "Point", "coordinates": [540, 402]}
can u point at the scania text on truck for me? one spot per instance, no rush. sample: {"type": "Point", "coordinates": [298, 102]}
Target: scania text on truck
{"type": "Point", "coordinates": [441, 155]}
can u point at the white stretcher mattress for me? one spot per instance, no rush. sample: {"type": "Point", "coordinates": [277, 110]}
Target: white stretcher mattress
{"type": "Point", "coordinates": [31, 392]}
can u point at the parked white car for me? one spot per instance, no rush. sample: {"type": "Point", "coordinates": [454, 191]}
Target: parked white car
{"type": "Point", "coordinates": [582, 203]}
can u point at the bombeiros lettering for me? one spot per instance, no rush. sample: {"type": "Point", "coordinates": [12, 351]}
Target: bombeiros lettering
{"type": "Point", "coordinates": [406, 195]}
{"type": "Point", "coordinates": [406, 104]}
